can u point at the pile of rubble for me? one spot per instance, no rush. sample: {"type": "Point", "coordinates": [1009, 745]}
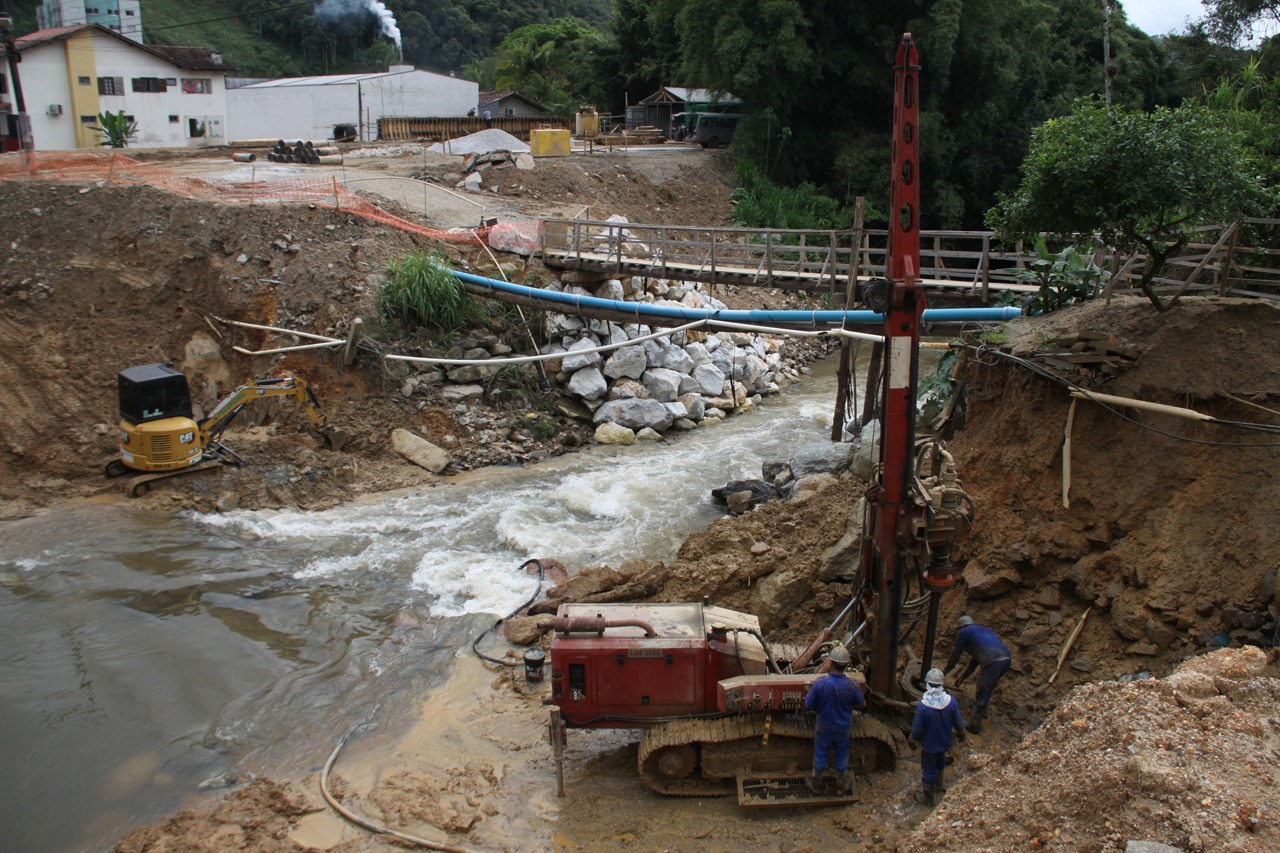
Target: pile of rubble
{"type": "Point", "coordinates": [1187, 761]}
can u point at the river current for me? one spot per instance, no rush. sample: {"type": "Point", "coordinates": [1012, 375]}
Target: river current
{"type": "Point", "coordinates": [142, 655]}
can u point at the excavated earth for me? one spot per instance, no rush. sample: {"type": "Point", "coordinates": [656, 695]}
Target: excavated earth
{"type": "Point", "coordinates": [1159, 724]}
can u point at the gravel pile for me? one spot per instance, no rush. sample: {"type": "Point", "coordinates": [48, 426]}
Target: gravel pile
{"type": "Point", "coordinates": [482, 143]}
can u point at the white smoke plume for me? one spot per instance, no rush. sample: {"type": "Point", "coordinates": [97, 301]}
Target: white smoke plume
{"type": "Point", "coordinates": [334, 9]}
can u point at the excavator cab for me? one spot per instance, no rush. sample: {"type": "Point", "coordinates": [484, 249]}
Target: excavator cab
{"type": "Point", "coordinates": [157, 429]}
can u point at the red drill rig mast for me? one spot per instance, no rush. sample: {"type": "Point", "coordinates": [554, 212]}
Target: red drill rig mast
{"type": "Point", "coordinates": [911, 516]}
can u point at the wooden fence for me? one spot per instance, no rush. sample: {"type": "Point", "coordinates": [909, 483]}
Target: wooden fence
{"type": "Point", "coordinates": [451, 127]}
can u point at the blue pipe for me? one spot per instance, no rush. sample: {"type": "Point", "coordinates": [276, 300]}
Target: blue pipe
{"type": "Point", "coordinates": [753, 317]}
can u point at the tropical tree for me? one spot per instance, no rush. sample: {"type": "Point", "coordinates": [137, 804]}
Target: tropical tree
{"type": "Point", "coordinates": [1232, 21]}
{"type": "Point", "coordinates": [1141, 181]}
{"type": "Point", "coordinates": [117, 129]}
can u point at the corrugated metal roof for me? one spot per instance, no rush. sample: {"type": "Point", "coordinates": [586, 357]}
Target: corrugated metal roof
{"type": "Point", "coordinates": [337, 79]}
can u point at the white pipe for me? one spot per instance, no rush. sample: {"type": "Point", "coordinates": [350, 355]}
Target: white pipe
{"type": "Point", "coordinates": [1141, 405]}
{"type": "Point", "coordinates": [298, 348]}
{"type": "Point", "coordinates": [275, 329]}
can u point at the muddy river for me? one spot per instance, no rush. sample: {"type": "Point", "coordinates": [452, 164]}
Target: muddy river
{"type": "Point", "coordinates": [148, 659]}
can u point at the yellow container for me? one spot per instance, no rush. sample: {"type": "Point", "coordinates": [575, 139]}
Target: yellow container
{"type": "Point", "coordinates": [549, 143]}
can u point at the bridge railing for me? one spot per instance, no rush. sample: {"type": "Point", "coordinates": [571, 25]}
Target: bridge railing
{"type": "Point", "coordinates": [815, 260]}
{"type": "Point", "coordinates": [1236, 258]}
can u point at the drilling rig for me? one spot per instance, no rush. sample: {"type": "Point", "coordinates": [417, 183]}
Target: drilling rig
{"type": "Point", "coordinates": [720, 706]}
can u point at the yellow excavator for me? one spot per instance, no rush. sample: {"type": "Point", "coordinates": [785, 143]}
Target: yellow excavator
{"type": "Point", "coordinates": [160, 437]}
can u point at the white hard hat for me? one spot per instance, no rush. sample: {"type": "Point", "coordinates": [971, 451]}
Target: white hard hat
{"type": "Point", "coordinates": [934, 677]}
{"type": "Point", "coordinates": [839, 656]}
{"type": "Point", "coordinates": [964, 621]}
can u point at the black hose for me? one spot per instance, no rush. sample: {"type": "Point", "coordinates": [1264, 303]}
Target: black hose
{"type": "Point", "coordinates": [475, 644]}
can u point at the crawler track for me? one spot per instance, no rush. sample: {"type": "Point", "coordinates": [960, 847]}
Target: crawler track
{"type": "Point", "coordinates": [672, 754]}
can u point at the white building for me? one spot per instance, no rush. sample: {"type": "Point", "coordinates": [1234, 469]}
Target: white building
{"type": "Point", "coordinates": [177, 95]}
{"type": "Point", "coordinates": [317, 107]}
{"type": "Point", "coordinates": [121, 16]}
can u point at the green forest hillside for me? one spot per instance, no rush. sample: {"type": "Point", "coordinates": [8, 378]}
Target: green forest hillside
{"type": "Point", "coordinates": [275, 38]}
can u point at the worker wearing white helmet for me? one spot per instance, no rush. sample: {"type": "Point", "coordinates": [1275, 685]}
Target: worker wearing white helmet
{"type": "Point", "coordinates": [833, 697]}
{"type": "Point", "coordinates": [985, 651]}
{"type": "Point", "coordinates": [937, 717]}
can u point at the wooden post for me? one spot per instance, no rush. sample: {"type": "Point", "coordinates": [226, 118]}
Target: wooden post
{"type": "Point", "coordinates": [1229, 233]}
{"type": "Point", "coordinates": [1224, 272]}
{"type": "Point", "coordinates": [353, 341]}
{"type": "Point", "coordinates": [337, 205]}
{"type": "Point", "coordinates": [985, 268]}
{"type": "Point", "coordinates": [556, 730]}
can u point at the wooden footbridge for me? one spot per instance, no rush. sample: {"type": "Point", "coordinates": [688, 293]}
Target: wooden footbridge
{"type": "Point", "coordinates": [957, 267]}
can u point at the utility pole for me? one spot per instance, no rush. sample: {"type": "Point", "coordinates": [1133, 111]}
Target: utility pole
{"type": "Point", "coordinates": [1106, 50]}
{"type": "Point", "coordinates": [23, 127]}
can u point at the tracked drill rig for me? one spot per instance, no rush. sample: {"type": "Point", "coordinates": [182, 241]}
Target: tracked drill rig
{"type": "Point", "coordinates": [719, 705]}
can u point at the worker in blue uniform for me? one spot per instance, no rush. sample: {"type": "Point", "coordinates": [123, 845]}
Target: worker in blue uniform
{"type": "Point", "coordinates": [937, 717]}
{"type": "Point", "coordinates": [833, 697]}
{"type": "Point", "coordinates": [985, 651]}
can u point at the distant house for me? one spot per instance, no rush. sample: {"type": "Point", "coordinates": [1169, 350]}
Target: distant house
{"type": "Point", "coordinates": [342, 105]}
{"type": "Point", "coordinates": [661, 108]}
{"type": "Point", "coordinates": [509, 104]}
{"type": "Point", "coordinates": [71, 74]}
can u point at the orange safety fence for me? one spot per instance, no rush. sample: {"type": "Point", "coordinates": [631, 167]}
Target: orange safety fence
{"type": "Point", "coordinates": [120, 170]}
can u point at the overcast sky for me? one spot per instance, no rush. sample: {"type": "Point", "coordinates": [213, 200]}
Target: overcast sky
{"type": "Point", "coordinates": [1158, 17]}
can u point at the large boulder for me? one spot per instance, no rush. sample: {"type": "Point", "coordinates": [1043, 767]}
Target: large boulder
{"type": "Point", "coordinates": [625, 389]}
{"type": "Point", "coordinates": [693, 404]}
{"type": "Point", "coordinates": [419, 451]}
{"type": "Point", "coordinates": [778, 594]}
{"type": "Point", "coordinates": [635, 414]}
{"type": "Point", "coordinates": [674, 358]}
{"type": "Point", "coordinates": [821, 457]}
{"type": "Point", "coordinates": [984, 582]}
{"type": "Point", "coordinates": [588, 384]}
{"type": "Point", "coordinates": [630, 362]}
{"type": "Point", "coordinates": [611, 433]}
{"type": "Point", "coordinates": [759, 492]}
{"type": "Point", "coordinates": [843, 559]}
{"type": "Point", "coordinates": [576, 359]}
{"type": "Point", "coordinates": [708, 380]}
{"type": "Point", "coordinates": [662, 383]}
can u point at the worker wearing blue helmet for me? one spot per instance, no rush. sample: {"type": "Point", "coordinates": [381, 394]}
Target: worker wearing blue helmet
{"type": "Point", "coordinates": [985, 651]}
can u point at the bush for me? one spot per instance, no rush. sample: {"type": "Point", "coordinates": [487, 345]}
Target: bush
{"type": "Point", "coordinates": [1064, 279]}
{"type": "Point", "coordinates": [760, 203]}
{"type": "Point", "coordinates": [423, 292]}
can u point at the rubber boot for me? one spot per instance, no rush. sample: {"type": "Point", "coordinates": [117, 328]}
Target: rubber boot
{"type": "Point", "coordinates": [925, 795]}
{"type": "Point", "coordinates": [938, 787]}
{"type": "Point", "coordinates": [811, 782]}
{"type": "Point", "coordinates": [975, 725]}
{"type": "Point", "coordinates": [844, 781]}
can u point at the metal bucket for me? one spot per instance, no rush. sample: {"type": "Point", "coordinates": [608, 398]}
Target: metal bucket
{"type": "Point", "coordinates": [533, 661]}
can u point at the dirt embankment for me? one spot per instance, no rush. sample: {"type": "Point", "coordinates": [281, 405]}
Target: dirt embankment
{"type": "Point", "coordinates": [100, 278]}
